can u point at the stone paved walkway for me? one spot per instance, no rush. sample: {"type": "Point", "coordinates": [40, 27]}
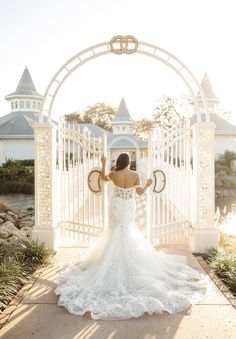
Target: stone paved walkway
{"type": "Point", "coordinates": [38, 316]}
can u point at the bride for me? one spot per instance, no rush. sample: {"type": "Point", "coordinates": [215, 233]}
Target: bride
{"type": "Point", "coordinates": [122, 276]}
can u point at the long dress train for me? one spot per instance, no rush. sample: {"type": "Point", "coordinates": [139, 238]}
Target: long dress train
{"type": "Point", "coordinates": [122, 276]}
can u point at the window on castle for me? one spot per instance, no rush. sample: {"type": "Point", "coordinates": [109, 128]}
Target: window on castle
{"type": "Point", "coordinates": [34, 105]}
{"type": "Point", "coordinates": [123, 128]}
{"type": "Point", "coordinates": [12, 105]}
{"type": "Point", "coordinates": [38, 105]}
{"type": "Point", "coordinates": [22, 104]}
{"type": "Point", "coordinates": [27, 104]}
{"type": "Point", "coordinates": [16, 104]}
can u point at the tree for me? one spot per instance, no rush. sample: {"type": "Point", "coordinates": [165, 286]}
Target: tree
{"type": "Point", "coordinates": [229, 156]}
{"type": "Point", "coordinates": [74, 117]}
{"type": "Point", "coordinates": [166, 114]}
{"type": "Point", "coordinates": [100, 114]}
{"type": "Point", "coordinates": [143, 127]}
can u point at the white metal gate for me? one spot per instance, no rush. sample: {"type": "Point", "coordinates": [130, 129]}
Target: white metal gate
{"type": "Point", "coordinates": [170, 216]}
{"type": "Point", "coordinates": [81, 215]}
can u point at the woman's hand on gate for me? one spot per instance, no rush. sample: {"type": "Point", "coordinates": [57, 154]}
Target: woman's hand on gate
{"type": "Point", "coordinates": [148, 182]}
{"type": "Point", "coordinates": [103, 159]}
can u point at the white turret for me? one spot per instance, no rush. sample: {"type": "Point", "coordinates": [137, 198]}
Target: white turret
{"type": "Point", "coordinates": [25, 98]}
{"type": "Point", "coordinates": [123, 123]}
{"type": "Point", "coordinates": [213, 102]}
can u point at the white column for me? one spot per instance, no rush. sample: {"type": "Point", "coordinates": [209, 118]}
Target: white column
{"type": "Point", "coordinates": [204, 234]}
{"type": "Point", "coordinates": [45, 161]}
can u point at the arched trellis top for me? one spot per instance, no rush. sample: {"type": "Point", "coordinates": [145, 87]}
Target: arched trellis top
{"type": "Point", "coordinates": [128, 45]}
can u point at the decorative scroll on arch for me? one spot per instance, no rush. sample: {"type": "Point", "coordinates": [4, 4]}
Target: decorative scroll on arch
{"type": "Point", "coordinates": [129, 45]}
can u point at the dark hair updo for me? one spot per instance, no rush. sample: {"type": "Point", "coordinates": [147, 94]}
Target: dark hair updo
{"type": "Point", "coordinates": [122, 161]}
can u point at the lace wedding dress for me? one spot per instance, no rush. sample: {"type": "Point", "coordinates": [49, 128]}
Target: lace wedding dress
{"type": "Point", "coordinates": [122, 276]}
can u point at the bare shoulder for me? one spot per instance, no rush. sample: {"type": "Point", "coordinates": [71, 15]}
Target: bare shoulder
{"type": "Point", "coordinates": [134, 172]}
{"type": "Point", "coordinates": [111, 174]}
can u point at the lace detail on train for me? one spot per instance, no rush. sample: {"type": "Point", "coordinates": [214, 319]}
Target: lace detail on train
{"type": "Point", "coordinates": [122, 276]}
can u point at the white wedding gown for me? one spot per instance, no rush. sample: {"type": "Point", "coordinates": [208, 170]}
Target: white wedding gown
{"type": "Point", "coordinates": [122, 276]}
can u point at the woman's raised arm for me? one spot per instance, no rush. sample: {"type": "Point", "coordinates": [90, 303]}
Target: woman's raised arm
{"type": "Point", "coordinates": [139, 189]}
{"type": "Point", "coordinates": [105, 177]}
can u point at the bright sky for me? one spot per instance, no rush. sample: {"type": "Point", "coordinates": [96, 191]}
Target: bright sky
{"type": "Point", "coordinates": [44, 34]}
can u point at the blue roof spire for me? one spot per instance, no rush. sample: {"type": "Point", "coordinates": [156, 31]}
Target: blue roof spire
{"type": "Point", "coordinates": [25, 86]}
{"type": "Point", "coordinates": [122, 113]}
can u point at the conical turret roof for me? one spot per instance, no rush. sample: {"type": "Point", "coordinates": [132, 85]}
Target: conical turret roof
{"type": "Point", "coordinates": [122, 114]}
{"type": "Point", "coordinates": [207, 88]}
{"type": "Point", "coordinates": [25, 87]}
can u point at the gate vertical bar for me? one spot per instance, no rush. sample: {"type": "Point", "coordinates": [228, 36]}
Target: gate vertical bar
{"type": "Point", "coordinates": [188, 143]}
{"type": "Point", "coordinates": [150, 218]}
{"type": "Point", "coordinates": [104, 197]}
{"type": "Point", "coordinates": [61, 171]}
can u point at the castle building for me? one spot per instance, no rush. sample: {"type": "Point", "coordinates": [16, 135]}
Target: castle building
{"type": "Point", "coordinates": [225, 132]}
{"type": "Point", "coordinates": [16, 132]}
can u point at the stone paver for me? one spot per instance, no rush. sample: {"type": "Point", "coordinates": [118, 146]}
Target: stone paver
{"type": "Point", "coordinates": [38, 315]}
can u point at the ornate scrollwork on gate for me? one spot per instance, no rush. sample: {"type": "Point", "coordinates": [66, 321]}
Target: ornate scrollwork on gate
{"type": "Point", "coordinates": [124, 44]}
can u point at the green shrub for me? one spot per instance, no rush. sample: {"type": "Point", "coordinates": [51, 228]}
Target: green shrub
{"type": "Point", "coordinates": [224, 265]}
{"type": "Point", "coordinates": [31, 251]}
{"type": "Point", "coordinates": [9, 187]}
{"type": "Point", "coordinates": [230, 280]}
{"type": "Point", "coordinates": [224, 176]}
{"type": "Point", "coordinates": [27, 162]}
{"type": "Point", "coordinates": [229, 181]}
{"type": "Point", "coordinates": [222, 168]}
{"type": "Point", "coordinates": [218, 181]}
{"type": "Point", "coordinates": [12, 277]}
{"type": "Point", "coordinates": [228, 156]}
{"type": "Point", "coordinates": [17, 170]}
{"type": "Point", "coordinates": [221, 161]}
{"type": "Point", "coordinates": [222, 262]}
{"type": "Point", "coordinates": [17, 263]}
{"type": "Point", "coordinates": [17, 176]}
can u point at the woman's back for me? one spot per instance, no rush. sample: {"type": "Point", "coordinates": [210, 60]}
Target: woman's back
{"type": "Point", "coordinates": [125, 178]}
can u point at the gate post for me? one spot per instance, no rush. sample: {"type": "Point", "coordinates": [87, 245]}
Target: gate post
{"type": "Point", "coordinates": [204, 234]}
{"type": "Point", "coordinates": [45, 164]}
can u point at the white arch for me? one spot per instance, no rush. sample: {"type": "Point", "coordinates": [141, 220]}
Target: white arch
{"type": "Point", "coordinates": [105, 48]}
